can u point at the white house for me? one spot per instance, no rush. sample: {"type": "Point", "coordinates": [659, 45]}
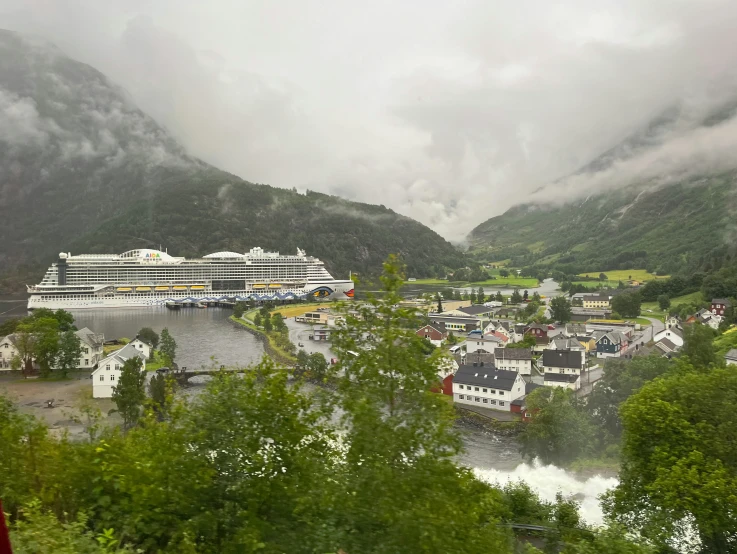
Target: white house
{"type": "Point", "coordinates": [568, 381]}
{"type": "Point", "coordinates": [487, 387]}
{"type": "Point", "coordinates": [91, 348]}
{"type": "Point", "coordinates": [563, 362]}
{"type": "Point", "coordinates": [141, 346]}
{"type": "Point", "coordinates": [486, 343]}
{"type": "Point", "coordinates": [673, 334]}
{"type": "Point", "coordinates": [8, 351]}
{"type": "Point", "coordinates": [731, 357]}
{"type": "Point", "coordinates": [107, 374]}
{"type": "Point", "coordinates": [564, 343]}
{"type": "Point", "coordinates": [518, 360]}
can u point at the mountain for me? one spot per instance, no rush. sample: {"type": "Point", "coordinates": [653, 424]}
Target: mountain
{"type": "Point", "coordinates": [669, 226]}
{"type": "Point", "coordinates": [82, 169]}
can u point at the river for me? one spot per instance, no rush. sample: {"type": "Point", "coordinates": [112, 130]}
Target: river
{"type": "Point", "coordinates": [205, 333]}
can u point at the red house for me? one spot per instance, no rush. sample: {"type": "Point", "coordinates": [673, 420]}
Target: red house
{"type": "Point", "coordinates": [436, 333]}
{"type": "Point", "coordinates": [719, 306]}
{"type": "Point", "coordinates": [540, 332]}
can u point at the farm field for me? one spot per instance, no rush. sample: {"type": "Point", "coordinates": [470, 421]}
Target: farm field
{"type": "Point", "coordinates": [694, 297]}
{"type": "Point", "coordinates": [597, 284]}
{"type": "Point", "coordinates": [499, 282]}
{"type": "Point", "coordinates": [625, 274]}
{"type": "Point", "coordinates": [299, 309]}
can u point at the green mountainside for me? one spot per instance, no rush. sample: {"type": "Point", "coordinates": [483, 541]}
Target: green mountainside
{"type": "Point", "coordinates": [671, 230]}
{"type": "Point", "coordinates": [82, 169]}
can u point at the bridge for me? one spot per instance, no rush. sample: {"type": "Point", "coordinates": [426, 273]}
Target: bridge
{"type": "Point", "coordinates": [183, 375]}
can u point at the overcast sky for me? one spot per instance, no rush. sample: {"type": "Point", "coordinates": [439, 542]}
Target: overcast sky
{"type": "Point", "coordinates": [449, 112]}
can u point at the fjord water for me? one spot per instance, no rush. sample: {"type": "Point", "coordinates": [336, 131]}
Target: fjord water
{"type": "Point", "coordinates": [206, 334]}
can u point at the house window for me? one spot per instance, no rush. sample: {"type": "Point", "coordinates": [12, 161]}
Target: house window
{"type": "Point", "coordinates": [527, 415]}
{"type": "Point", "coordinates": [102, 377]}
{"type": "Point", "coordinates": [562, 370]}
{"type": "Point", "coordinates": [485, 390]}
{"type": "Point", "coordinates": [478, 399]}
{"type": "Point", "coordinates": [476, 389]}
{"type": "Point", "coordinates": [86, 361]}
{"type": "Point", "coordinates": [107, 367]}
{"type": "Point", "coordinates": [492, 401]}
{"type": "Point", "coordinates": [112, 377]}
{"type": "Point", "coordinates": [460, 397]}
{"type": "Point", "coordinates": [486, 401]}
{"type": "Point", "coordinates": [501, 403]}
{"type": "Point", "coordinates": [117, 366]}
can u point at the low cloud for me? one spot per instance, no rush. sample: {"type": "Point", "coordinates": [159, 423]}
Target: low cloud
{"type": "Point", "coordinates": [447, 113]}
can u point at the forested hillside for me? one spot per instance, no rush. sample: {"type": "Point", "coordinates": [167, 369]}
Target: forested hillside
{"type": "Point", "coordinates": [670, 230]}
{"type": "Point", "coordinates": [82, 169]}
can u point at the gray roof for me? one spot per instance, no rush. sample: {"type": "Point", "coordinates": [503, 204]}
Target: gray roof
{"type": "Point", "coordinates": [731, 355]}
{"type": "Point", "coordinates": [666, 346]}
{"type": "Point", "coordinates": [513, 353]}
{"type": "Point", "coordinates": [561, 377]}
{"type": "Point", "coordinates": [476, 309]}
{"type": "Point", "coordinates": [86, 335]}
{"type": "Point", "coordinates": [485, 376]}
{"type": "Point", "coordinates": [596, 298]}
{"type": "Point", "coordinates": [576, 329]}
{"type": "Point", "coordinates": [479, 357]}
{"type": "Point", "coordinates": [129, 351]}
{"type": "Point", "coordinates": [614, 336]}
{"type": "Point", "coordinates": [453, 319]}
{"type": "Point", "coordinates": [529, 387]}
{"type": "Point", "coordinates": [724, 301]}
{"type": "Point", "coordinates": [563, 358]}
{"type": "Point", "coordinates": [537, 326]}
{"type": "Point", "coordinates": [565, 343]}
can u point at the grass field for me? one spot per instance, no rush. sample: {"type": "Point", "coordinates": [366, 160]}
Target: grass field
{"type": "Point", "coordinates": [298, 309]}
{"type": "Point", "coordinates": [641, 320]}
{"type": "Point", "coordinates": [429, 282]}
{"type": "Point", "coordinates": [626, 274]}
{"type": "Point", "coordinates": [597, 284]}
{"type": "Point", "coordinates": [499, 282]}
{"type": "Point", "coordinates": [694, 297]}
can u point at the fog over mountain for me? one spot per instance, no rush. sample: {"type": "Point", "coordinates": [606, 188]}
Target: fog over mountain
{"type": "Point", "coordinates": [446, 112]}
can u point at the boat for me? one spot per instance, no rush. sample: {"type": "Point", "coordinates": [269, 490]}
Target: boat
{"type": "Point", "coordinates": [146, 277]}
{"type": "Point", "coordinates": [200, 305]}
{"type": "Point", "coordinates": [173, 305]}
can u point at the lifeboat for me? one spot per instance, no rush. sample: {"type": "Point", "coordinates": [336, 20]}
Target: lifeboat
{"type": "Point", "coordinates": [259, 286]}
{"type": "Point", "coordinates": [124, 289]}
{"type": "Point", "coordinates": [275, 286]}
{"type": "Point", "coordinates": [143, 289]}
{"type": "Point", "coordinates": [179, 287]}
{"type": "Point", "coordinates": [197, 287]}
{"type": "Point", "coordinates": [162, 289]}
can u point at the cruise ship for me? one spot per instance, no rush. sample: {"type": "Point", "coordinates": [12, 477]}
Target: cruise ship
{"type": "Point", "coordinates": [146, 277]}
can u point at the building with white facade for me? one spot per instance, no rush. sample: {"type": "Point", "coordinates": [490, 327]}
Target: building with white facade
{"type": "Point", "coordinates": [518, 360]}
{"type": "Point", "coordinates": [487, 387]}
{"type": "Point", "coordinates": [673, 334]}
{"type": "Point", "coordinates": [91, 348]}
{"type": "Point", "coordinates": [568, 381]}
{"type": "Point", "coordinates": [105, 378]}
{"type": "Point", "coordinates": [8, 351]}
{"type": "Point", "coordinates": [563, 362]}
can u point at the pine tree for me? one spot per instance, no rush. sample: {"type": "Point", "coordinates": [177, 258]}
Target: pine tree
{"type": "Point", "coordinates": [168, 346]}
{"type": "Point", "coordinates": [129, 393]}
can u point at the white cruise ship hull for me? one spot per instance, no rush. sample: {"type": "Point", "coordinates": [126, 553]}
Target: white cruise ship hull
{"type": "Point", "coordinates": [150, 278]}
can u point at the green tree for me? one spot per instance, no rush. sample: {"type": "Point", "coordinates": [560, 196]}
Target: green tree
{"type": "Point", "coordinates": [277, 322]}
{"type": "Point", "coordinates": [504, 272]}
{"type": "Point", "coordinates": [238, 309]}
{"type": "Point", "coordinates": [664, 302]}
{"type": "Point", "coordinates": [268, 325]}
{"type": "Point", "coordinates": [627, 304]}
{"type": "Point", "coordinates": [528, 341]}
{"type": "Point", "coordinates": [150, 336]}
{"type": "Point", "coordinates": [160, 389]}
{"type": "Point", "coordinates": [698, 345]}
{"type": "Point", "coordinates": [257, 320]}
{"type": "Point", "coordinates": [440, 303]}
{"type": "Point", "coordinates": [516, 298]}
{"type": "Point", "coordinates": [472, 296]}
{"type": "Point", "coordinates": [561, 309]}
{"type": "Point", "coordinates": [44, 341]}
{"type": "Point", "coordinates": [536, 297]}
{"type": "Point", "coordinates": [481, 296]}
{"type": "Point", "coordinates": [559, 431]}
{"type": "Point", "coordinates": [168, 346]}
{"type": "Point", "coordinates": [303, 359]}
{"type": "Point", "coordinates": [680, 461]}
{"type": "Point", "coordinates": [317, 365]}
{"type": "Point", "coordinates": [603, 277]}
{"type": "Point", "coordinates": [525, 296]}
{"type": "Point", "coordinates": [129, 394]}
{"type": "Point", "coordinates": [393, 422]}
{"type": "Point", "coordinates": [70, 348]}
{"type": "Point", "coordinates": [499, 297]}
